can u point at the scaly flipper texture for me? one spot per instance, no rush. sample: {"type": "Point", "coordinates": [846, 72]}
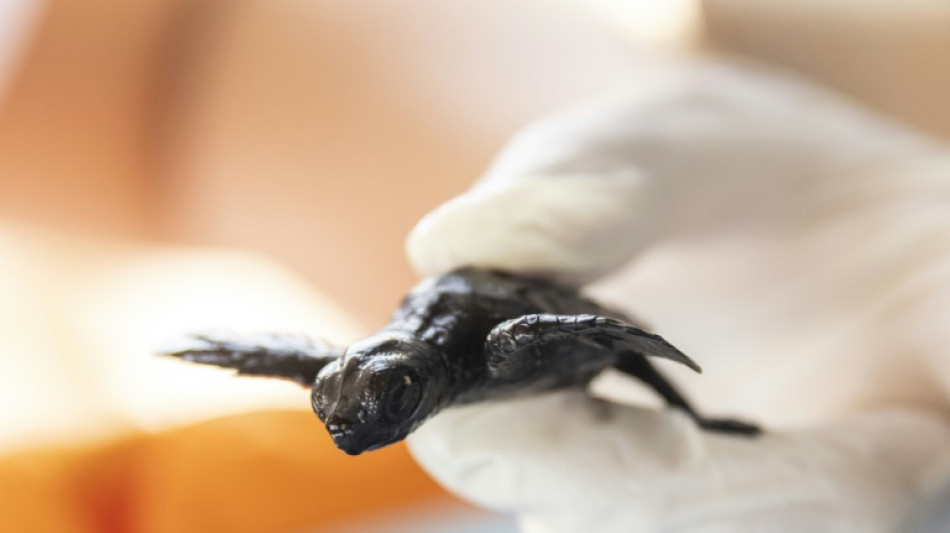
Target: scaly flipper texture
{"type": "Point", "coordinates": [518, 346]}
{"type": "Point", "coordinates": [520, 335]}
{"type": "Point", "coordinates": [294, 357]}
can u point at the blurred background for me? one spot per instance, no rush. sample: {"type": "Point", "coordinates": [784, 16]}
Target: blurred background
{"type": "Point", "coordinates": [171, 165]}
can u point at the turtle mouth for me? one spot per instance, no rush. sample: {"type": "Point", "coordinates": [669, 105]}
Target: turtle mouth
{"type": "Point", "coordinates": [354, 443]}
{"type": "Point", "coordinates": [350, 446]}
{"type": "Point", "coordinates": [344, 441]}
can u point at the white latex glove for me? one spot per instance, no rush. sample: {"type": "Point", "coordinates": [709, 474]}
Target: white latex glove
{"type": "Point", "coordinates": [796, 247]}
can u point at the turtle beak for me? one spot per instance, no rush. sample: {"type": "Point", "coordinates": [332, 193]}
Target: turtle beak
{"type": "Point", "coordinates": [341, 431]}
{"type": "Point", "coordinates": [356, 438]}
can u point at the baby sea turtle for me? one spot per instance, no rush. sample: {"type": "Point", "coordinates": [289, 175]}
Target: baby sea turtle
{"type": "Point", "coordinates": [467, 336]}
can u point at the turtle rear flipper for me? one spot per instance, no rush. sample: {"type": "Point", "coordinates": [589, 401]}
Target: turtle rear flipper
{"type": "Point", "coordinates": [293, 357]}
{"type": "Point", "coordinates": [634, 364]}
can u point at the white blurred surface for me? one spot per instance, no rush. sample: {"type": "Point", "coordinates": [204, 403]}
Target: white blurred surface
{"type": "Point", "coordinates": [433, 520]}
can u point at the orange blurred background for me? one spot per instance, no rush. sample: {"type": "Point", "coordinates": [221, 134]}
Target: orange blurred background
{"type": "Point", "coordinates": [170, 165]}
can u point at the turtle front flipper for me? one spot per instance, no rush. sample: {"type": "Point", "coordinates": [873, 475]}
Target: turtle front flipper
{"type": "Point", "coordinates": [523, 334]}
{"type": "Point", "coordinates": [532, 347]}
{"type": "Point", "coordinates": [294, 357]}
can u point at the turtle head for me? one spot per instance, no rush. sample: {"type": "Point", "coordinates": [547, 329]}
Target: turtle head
{"type": "Point", "coordinates": [378, 392]}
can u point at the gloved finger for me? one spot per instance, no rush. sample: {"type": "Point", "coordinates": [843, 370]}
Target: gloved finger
{"type": "Point", "coordinates": [573, 228]}
{"type": "Point", "coordinates": [689, 150]}
{"type": "Point", "coordinates": [567, 464]}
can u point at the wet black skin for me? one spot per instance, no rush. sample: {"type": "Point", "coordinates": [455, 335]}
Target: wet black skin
{"type": "Point", "coordinates": [468, 336]}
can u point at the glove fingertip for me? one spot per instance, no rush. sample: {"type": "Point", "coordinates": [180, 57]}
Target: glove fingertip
{"type": "Point", "coordinates": [573, 228]}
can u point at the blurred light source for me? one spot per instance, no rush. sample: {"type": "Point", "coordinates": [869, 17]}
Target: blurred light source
{"type": "Point", "coordinates": [648, 22]}
{"type": "Point", "coordinates": [17, 18]}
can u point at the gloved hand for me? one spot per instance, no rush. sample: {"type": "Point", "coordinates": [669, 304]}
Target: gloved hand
{"type": "Point", "coordinates": [795, 246]}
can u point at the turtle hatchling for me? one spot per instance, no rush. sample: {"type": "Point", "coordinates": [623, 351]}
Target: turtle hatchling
{"type": "Point", "coordinates": [468, 336]}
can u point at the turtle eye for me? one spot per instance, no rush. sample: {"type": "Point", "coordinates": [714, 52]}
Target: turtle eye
{"type": "Point", "coordinates": [403, 398]}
